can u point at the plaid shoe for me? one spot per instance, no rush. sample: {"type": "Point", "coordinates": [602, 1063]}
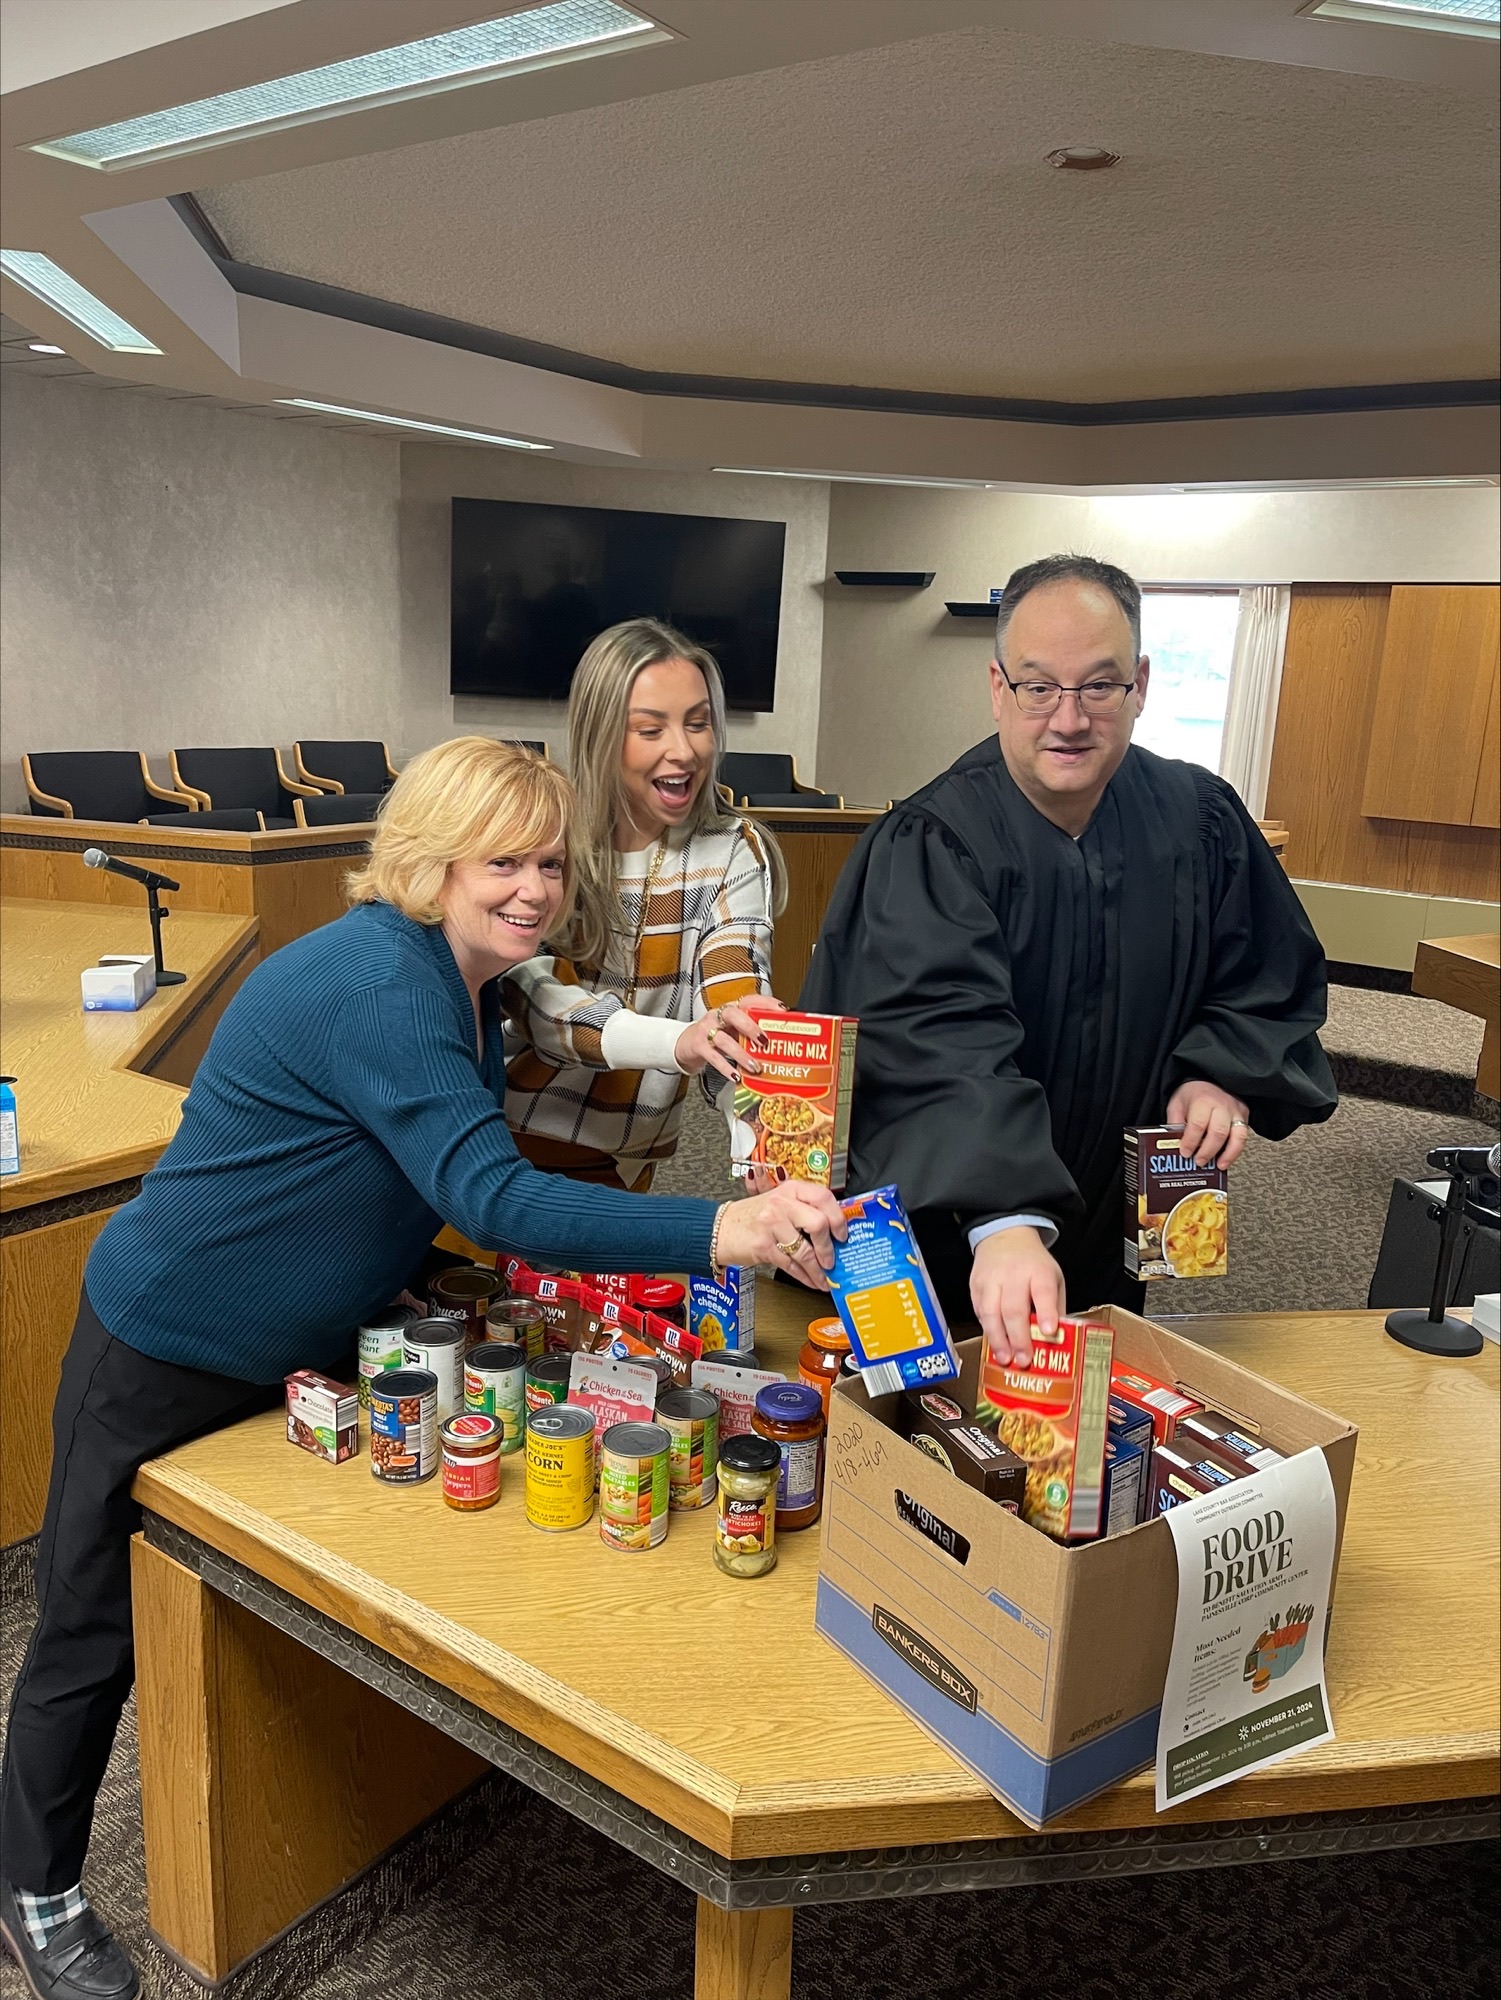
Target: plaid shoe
{"type": "Point", "coordinates": [79, 1961]}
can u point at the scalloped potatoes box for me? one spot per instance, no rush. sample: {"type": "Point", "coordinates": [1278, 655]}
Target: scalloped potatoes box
{"type": "Point", "coordinates": [1177, 1212]}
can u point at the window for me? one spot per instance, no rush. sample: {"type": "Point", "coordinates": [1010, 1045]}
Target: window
{"type": "Point", "coordinates": [1189, 636]}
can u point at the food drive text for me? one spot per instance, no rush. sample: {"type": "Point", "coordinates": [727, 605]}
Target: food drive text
{"type": "Point", "coordinates": [1235, 1558]}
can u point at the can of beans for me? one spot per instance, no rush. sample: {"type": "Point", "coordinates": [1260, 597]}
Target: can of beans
{"type": "Point", "coordinates": [519, 1320]}
{"type": "Point", "coordinates": [633, 1485]}
{"type": "Point", "coordinates": [559, 1467]}
{"type": "Point", "coordinates": [465, 1292]}
{"type": "Point", "coordinates": [495, 1384]}
{"type": "Point", "coordinates": [691, 1419]}
{"type": "Point", "coordinates": [471, 1461]}
{"type": "Point", "coordinates": [439, 1345]}
{"type": "Point", "coordinates": [404, 1425]}
{"type": "Point", "coordinates": [381, 1344]}
{"type": "Point", "coordinates": [547, 1380]}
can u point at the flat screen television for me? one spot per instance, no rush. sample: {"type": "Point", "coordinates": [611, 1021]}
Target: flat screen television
{"type": "Point", "coordinates": [533, 584]}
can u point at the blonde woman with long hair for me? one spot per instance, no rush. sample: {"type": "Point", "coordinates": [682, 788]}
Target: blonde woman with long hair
{"type": "Point", "coordinates": [348, 1105]}
{"type": "Point", "coordinates": [676, 897]}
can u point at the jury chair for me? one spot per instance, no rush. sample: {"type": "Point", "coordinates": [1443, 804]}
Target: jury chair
{"type": "Point", "coordinates": [97, 784]}
{"type": "Point", "coordinates": [230, 819]}
{"type": "Point", "coordinates": [770, 774]}
{"type": "Point", "coordinates": [338, 809]}
{"type": "Point", "coordinates": [334, 766]}
{"type": "Point", "coordinates": [221, 778]}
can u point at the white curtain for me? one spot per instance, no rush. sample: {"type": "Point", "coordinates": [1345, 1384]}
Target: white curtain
{"type": "Point", "coordinates": [1255, 683]}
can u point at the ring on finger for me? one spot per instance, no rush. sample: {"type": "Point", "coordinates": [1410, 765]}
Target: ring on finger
{"type": "Point", "coordinates": [791, 1249]}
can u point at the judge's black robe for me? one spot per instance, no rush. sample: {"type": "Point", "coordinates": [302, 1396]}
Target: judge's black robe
{"type": "Point", "coordinates": [1023, 996]}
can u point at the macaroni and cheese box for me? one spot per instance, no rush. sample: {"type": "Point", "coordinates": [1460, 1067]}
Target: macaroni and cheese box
{"type": "Point", "coordinates": [793, 1116]}
{"type": "Point", "coordinates": [883, 1294]}
{"type": "Point", "coordinates": [724, 1316]}
{"type": "Point", "coordinates": [1039, 1665]}
{"type": "Point", "coordinates": [1055, 1414]}
{"type": "Point", "coordinates": [1177, 1213]}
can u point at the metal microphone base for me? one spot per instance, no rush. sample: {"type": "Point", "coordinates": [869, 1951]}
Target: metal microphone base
{"type": "Point", "coordinates": [1448, 1336]}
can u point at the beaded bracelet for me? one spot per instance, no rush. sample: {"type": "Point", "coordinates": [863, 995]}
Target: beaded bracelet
{"type": "Point", "coordinates": [715, 1265]}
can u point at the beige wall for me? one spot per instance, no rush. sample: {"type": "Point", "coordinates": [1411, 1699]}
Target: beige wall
{"type": "Point", "coordinates": [175, 573]}
{"type": "Point", "coordinates": [904, 688]}
{"type": "Point", "coordinates": [432, 475]}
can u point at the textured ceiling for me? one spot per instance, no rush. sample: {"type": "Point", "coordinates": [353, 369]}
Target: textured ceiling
{"type": "Point", "coordinates": [885, 219]}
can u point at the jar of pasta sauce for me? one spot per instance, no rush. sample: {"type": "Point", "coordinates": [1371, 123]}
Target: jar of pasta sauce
{"type": "Point", "coordinates": [790, 1414]}
{"type": "Point", "coordinates": [471, 1461]}
{"type": "Point", "coordinates": [822, 1357]}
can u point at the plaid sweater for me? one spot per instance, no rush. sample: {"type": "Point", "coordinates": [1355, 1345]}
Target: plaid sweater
{"type": "Point", "coordinates": [703, 939]}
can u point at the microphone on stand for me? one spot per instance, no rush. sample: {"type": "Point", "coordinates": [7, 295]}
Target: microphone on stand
{"type": "Point", "coordinates": [1435, 1331]}
{"type": "Point", "coordinates": [95, 857]}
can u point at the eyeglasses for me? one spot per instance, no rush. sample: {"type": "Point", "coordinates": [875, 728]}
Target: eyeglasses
{"type": "Point", "coordinates": [1044, 697]}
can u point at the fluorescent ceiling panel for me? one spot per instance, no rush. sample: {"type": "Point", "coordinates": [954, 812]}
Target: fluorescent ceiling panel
{"type": "Point", "coordinates": [567, 31]}
{"type": "Point", "coordinates": [409, 423]}
{"type": "Point", "coordinates": [1447, 17]}
{"type": "Point", "coordinates": [51, 284]}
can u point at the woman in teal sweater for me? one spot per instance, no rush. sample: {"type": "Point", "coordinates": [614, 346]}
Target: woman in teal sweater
{"type": "Point", "coordinates": [349, 1105]}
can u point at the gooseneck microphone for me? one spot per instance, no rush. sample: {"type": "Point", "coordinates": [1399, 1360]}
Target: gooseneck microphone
{"type": "Point", "coordinates": [1437, 1331]}
{"type": "Point", "coordinates": [95, 857]}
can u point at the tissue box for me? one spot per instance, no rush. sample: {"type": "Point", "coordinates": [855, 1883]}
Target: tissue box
{"type": "Point", "coordinates": [118, 986]}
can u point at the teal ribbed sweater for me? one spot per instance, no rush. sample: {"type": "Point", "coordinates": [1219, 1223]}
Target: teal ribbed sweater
{"type": "Point", "coordinates": [340, 1117]}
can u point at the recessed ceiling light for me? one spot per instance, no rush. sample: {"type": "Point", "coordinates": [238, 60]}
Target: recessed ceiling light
{"type": "Point", "coordinates": [1444, 17]}
{"type": "Point", "coordinates": [51, 284]}
{"type": "Point", "coordinates": [537, 38]}
{"type": "Point", "coordinates": [45, 347]}
{"type": "Point", "coordinates": [409, 423]}
{"type": "Point", "coordinates": [1083, 159]}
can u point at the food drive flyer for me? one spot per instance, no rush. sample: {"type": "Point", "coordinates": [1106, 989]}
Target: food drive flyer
{"type": "Point", "coordinates": [1245, 1683]}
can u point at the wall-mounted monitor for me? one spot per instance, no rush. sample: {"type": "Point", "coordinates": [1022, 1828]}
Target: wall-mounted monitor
{"type": "Point", "coordinates": [533, 584]}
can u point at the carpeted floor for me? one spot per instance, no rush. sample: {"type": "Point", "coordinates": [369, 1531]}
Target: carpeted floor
{"type": "Point", "coordinates": [504, 1896]}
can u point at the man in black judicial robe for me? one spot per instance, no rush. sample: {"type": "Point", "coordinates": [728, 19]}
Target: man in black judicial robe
{"type": "Point", "coordinates": [1061, 936]}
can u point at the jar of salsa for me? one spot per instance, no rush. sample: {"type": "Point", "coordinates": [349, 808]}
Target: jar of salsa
{"type": "Point", "coordinates": [791, 1415]}
{"type": "Point", "coordinates": [822, 1357]}
{"type": "Point", "coordinates": [662, 1296]}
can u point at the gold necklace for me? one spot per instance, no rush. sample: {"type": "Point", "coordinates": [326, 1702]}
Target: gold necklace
{"type": "Point", "coordinates": [646, 896]}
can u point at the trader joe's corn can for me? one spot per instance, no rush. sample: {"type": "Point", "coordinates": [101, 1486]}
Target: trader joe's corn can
{"type": "Point", "coordinates": [559, 1467]}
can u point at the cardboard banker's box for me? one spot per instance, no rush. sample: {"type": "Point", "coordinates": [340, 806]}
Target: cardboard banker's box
{"type": "Point", "coordinates": [1039, 1666]}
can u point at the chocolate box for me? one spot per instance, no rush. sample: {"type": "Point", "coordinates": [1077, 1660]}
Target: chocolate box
{"type": "Point", "coordinates": [949, 1435]}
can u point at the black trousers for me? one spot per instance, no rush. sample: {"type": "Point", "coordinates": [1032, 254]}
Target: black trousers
{"type": "Point", "coordinates": [115, 1408]}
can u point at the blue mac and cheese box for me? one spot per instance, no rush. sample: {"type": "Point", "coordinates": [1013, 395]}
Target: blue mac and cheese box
{"type": "Point", "coordinates": [724, 1316]}
{"type": "Point", "coordinates": [885, 1297]}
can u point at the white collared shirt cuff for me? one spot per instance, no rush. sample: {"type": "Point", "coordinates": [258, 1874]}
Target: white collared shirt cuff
{"type": "Point", "coordinates": [640, 1041]}
{"type": "Point", "coordinates": [1048, 1231]}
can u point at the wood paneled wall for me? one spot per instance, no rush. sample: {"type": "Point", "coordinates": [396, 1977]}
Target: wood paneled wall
{"type": "Point", "coordinates": [1335, 637]}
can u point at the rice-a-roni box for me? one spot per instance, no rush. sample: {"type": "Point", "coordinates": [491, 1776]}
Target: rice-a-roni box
{"type": "Point", "coordinates": [1039, 1666]}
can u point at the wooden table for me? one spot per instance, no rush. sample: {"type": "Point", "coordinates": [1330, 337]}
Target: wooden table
{"type": "Point", "coordinates": [699, 1721]}
{"type": "Point", "coordinates": [98, 1097]}
{"type": "Point", "coordinates": [1465, 972]}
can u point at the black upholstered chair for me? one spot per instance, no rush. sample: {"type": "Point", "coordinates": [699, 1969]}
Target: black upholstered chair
{"type": "Point", "coordinates": [344, 766]}
{"type": "Point", "coordinates": [229, 819]}
{"type": "Point", "coordinates": [764, 772]}
{"type": "Point", "coordinates": [241, 777]}
{"type": "Point", "coordinates": [97, 784]}
{"type": "Point", "coordinates": [799, 799]}
{"type": "Point", "coordinates": [338, 809]}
